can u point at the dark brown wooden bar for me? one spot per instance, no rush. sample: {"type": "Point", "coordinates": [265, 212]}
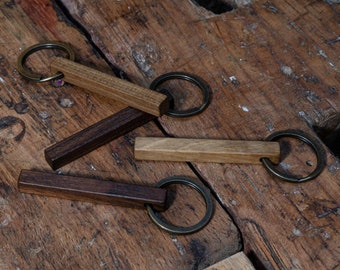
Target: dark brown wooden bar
{"type": "Point", "coordinates": [91, 190]}
{"type": "Point", "coordinates": [94, 136]}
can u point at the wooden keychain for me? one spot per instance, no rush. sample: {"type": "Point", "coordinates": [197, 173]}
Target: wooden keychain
{"type": "Point", "coordinates": [266, 152]}
{"type": "Point", "coordinates": [118, 124]}
{"type": "Point", "coordinates": [154, 199]}
{"type": "Point", "coordinates": [91, 190]}
{"type": "Point", "coordinates": [133, 95]}
{"type": "Point", "coordinates": [205, 150]}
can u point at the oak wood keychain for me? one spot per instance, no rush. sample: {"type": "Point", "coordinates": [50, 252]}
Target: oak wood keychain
{"type": "Point", "coordinates": [205, 150]}
{"type": "Point", "coordinates": [266, 152]}
{"type": "Point", "coordinates": [133, 95]}
{"type": "Point", "coordinates": [116, 125]}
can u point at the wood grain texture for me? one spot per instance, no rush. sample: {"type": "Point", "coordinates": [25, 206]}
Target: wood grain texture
{"type": "Point", "coordinates": [39, 232]}
{"type": "Point", "coordinates": [234, 262]}
{"type": "Point", "coordinates": [135, 96]}
{"type": "Point", "coordinates": [270, 66]}
{"type": "Point", "coordinates": [205, 150]}
{"type": "Point", "coordinates": [94, 136]}
{"type": "Point", "coordinates": [91, 190]}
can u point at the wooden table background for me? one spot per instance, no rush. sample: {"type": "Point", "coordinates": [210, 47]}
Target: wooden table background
{"type": "Point", "coordinates": [271, 65]}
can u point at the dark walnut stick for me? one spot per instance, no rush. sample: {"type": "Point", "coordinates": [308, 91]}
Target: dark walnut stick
{"type": "Point", "coordinates": [91, 190]}
{"type": "Point", "coordinates": [100, 133]}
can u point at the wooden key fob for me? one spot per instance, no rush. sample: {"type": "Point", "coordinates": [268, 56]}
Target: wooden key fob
{"type": "Point", "coordinates": [92, 190]}
{"type": "Point", "coordinates": [145, 104]}
{"type": "Point", "coordinates": [133, 95]}
{"type": "Point", "coordinates": [206, 150]}
{"type": "Point", "coordinates": [95, 136]}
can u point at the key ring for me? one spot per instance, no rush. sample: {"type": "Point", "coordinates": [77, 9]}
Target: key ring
{"type": "Point", "coordinates": [37, 47]}
{"type": "Point", "coordinates": [113, 193]}
{"type": "Point", "coordinates": [177, 229]}
{"type": "Point", "coordinates": [313, 143]}
{"type": "Point", "coordinates": [156, 105]}
{"type": "Point", "coordinates": [187, 77]}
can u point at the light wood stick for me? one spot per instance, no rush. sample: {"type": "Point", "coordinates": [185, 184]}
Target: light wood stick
{"type": "Point", "coordinates": [138, 97]}
{"type": "Point", "coordinates": [235, 262]}
{"type": "Point", "coordinates": [206, 150]}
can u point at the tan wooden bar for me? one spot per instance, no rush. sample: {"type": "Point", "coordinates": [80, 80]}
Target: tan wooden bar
{"type": "Point", "coordinates": [271, 66]}
{"type": "Point", "coordinates": [111, 87]}
{"type": "Point", "coordinates": [205, 150]}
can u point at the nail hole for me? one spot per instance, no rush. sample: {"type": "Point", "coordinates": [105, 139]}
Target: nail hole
{"type": "Point", "coordinates": [309, 163]}
{"type": "Point", "coordinates": [215, 6]}
{"type": "Point", "coordinates": [328, 130]}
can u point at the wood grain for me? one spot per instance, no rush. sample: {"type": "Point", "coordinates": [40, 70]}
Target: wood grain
{"type": "Point", "coordinates": [91, 190]}
{"type": "Point", "coordinates": [138, 97]}
{"type": "Point", "coordinates": [234, 262]}
{"type": "Point", "coordinates": [205, 150]}
{"type": "Point", "coordinates": [94, 136]}
{"type": "Point", "coordinates": [270, 66]}
{"type": "Point", "coordinates": [40, 232]}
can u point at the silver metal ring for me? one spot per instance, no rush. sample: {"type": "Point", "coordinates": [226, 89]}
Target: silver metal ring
{"type": "Point", "coordinates": [37, 47]}
{"type": "Point", "coordinates": [313, 143]}
{"type": "Point", "coordinates": [177, 229]}
{"type": "Point", "coordinates": [190, 78]}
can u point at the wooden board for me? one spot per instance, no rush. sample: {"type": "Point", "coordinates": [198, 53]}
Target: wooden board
{"type": "Point", "coordinates": [270, 65]}
{"type": "Point", "coordinates": [48, 233]}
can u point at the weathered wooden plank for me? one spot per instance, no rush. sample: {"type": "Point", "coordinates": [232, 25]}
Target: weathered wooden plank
{"type": "Point", "coordinates": [50, 233]}
{"type": "Point", "coordinates": [269, 67]}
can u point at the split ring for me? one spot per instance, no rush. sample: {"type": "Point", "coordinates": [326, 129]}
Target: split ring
{"type": "Point", "coordinates": [190, 78]}
{"type": "Point", "coordinates": [41, 46]}
{"type": "Point", "coordinates": [177, 229]}
{"type": "Point", "coordinates": [313, 143]}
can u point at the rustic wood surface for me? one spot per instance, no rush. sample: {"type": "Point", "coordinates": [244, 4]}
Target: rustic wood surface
{"type": "Point", "coordinates": [271, 65]}
{"type": "Point", "coordinates": [40, 232]}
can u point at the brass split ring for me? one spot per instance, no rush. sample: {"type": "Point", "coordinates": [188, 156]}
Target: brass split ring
{"type": "Point", "coordinates": [37, 47]}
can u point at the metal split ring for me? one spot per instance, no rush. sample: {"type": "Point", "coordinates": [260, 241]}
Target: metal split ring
{"type": "Point", "coordinates": [177, 229]}
{"type": "Point", "coordinates": [190, 78]}
{"type": "Point", "coordinates": [41, 46]}
{"type": "Point", "coordinates": [313, 143]}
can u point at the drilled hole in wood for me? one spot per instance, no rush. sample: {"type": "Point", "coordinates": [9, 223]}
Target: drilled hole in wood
{"type": "Point", "coordinates": [215, 6]}
{"type": "Point", "coordinates": [328, 130]}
